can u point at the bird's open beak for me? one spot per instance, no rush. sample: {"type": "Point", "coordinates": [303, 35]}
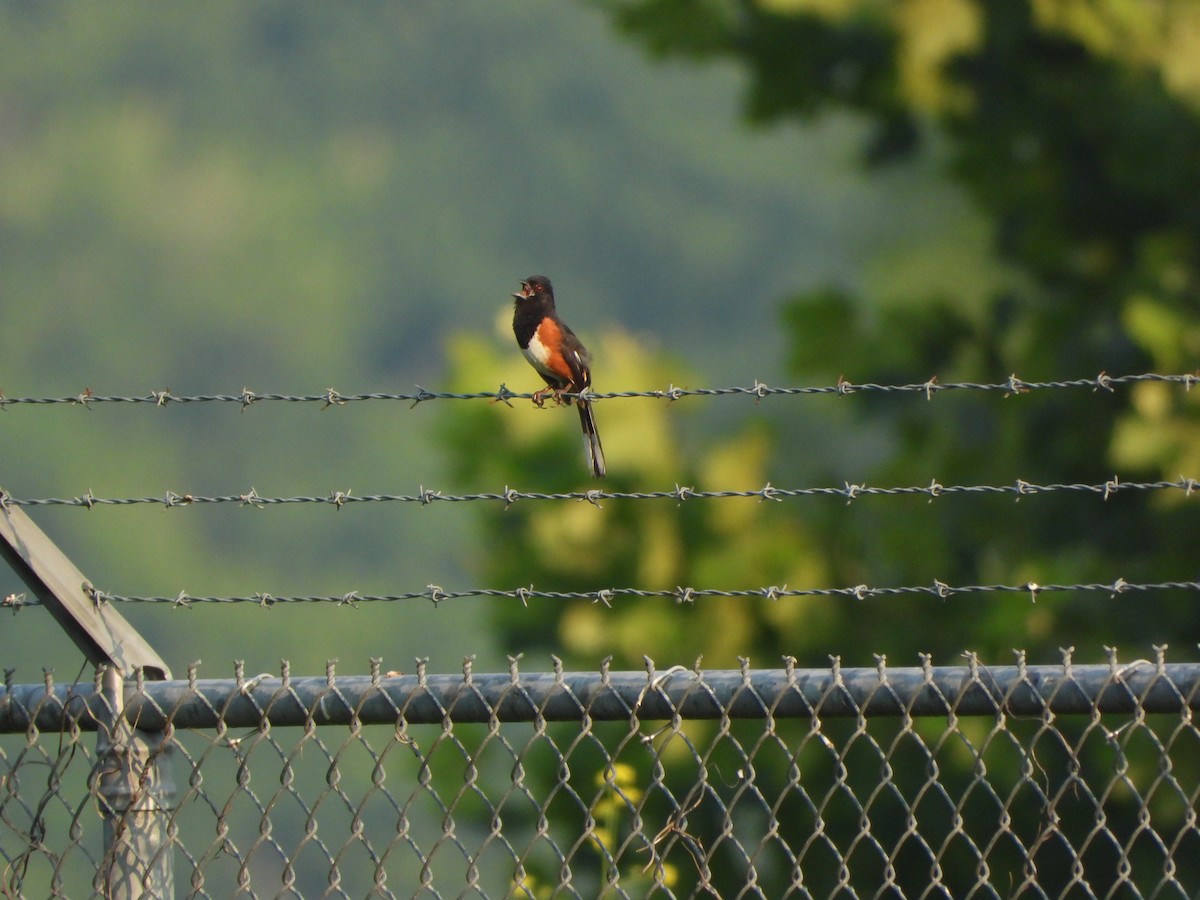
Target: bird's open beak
{"type": "Point", "coordinates": [524, 292]}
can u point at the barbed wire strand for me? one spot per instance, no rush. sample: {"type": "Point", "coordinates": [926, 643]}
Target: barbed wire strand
{"type": "Point", "coordinates": [848, 492]}
{"type": "Point", "coordinates": [436, 594]}
{"type": "Point", "coordinates": [332, 397]}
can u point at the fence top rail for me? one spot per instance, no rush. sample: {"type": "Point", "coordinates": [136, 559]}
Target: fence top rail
{"type": "Point", "coordinates": [1012, 385]}
{"type": "Point", "coordinates": [975, 689]}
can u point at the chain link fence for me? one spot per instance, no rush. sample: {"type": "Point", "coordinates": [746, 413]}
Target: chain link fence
{"type": "Point", "coordinates": [964, 781]}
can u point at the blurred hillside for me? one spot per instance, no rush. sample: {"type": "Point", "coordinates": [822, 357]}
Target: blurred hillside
{"type": "Point", "coordinates": [291, 198]}
{"type": "Point", "coordinates": [294, 197]}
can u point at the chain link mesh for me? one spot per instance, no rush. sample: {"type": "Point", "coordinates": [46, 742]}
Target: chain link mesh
{"type": "Point", "coordinates": [968, 781]}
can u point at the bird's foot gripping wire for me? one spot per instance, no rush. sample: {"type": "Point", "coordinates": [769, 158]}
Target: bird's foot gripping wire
{"type": "Point", "coordinates": [539, 397]}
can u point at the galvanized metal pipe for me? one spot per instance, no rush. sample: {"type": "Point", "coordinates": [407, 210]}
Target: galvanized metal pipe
{"type": "Point", "coordinates": [617, 696]}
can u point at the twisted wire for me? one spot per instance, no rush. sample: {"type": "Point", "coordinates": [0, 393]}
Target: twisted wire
{"type": "Point", "coordinates": [680, 493]}
{"type": "Point", "coordinates": [332, 397]}
{"type": "Point", "coordinates": [436, 594]}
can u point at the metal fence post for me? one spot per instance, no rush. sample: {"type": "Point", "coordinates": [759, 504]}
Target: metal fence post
{"type": "Point", "coordinates": [136, 792]}
{"type": "Point", "coordinates": [132, 779]}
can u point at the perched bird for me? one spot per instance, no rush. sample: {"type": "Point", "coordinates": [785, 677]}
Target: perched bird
{"type": "Point", "coordinates": [552, 348]}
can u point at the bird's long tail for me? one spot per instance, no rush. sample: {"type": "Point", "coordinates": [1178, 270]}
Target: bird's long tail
{"type": "Point", "coordinates": [591, 436]}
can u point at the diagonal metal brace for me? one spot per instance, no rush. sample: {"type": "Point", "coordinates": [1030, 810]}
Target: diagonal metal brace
{"type": "Point", "coordinates": [102, 633]}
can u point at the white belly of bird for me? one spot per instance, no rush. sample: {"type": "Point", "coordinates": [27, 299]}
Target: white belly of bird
{"type": "Point", "coordinates": [538, 355]}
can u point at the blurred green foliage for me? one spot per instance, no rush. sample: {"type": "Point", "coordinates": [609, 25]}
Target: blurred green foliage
{"type": "Point", "coordinates": [1075, 130]}
{"type": "Point", "coordinates": [1049, 125]}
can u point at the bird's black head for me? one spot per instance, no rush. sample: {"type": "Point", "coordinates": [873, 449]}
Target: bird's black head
{"type": "Point", "coordinates": [535, 286]}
